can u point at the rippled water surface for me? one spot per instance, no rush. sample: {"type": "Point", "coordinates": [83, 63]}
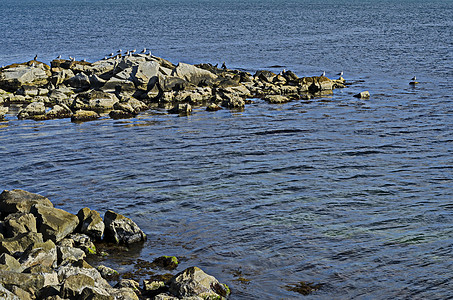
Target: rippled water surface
{"type": "Point", "coordinates": [354, 194]}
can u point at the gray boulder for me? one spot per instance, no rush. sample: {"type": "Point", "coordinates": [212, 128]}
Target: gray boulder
{"type": "Point", "coordinates": [81, 80]}
{"type": "Point", "coordinates": [32, 110]}
{"type": "Point", "coordinates": [14, 76]}
{"type": "Point", "coordinates": [39, 254]}
{"type": "Point", "coordinates": [145, 75]}
{"type": "Point", "coordinates": [122, 230]}
{"type": "Point", "coordinates": [54, 223]}
{"type": "Point", "coordinates": [20, 201]}
{"type": "Point", "coordinates": [194, 74]}
{"type": "Point", "coordinates": [194, 282]}
{"type": "Point", "coordinates": [91, 223]}
{"type": "Point", "coordinates": [98, 101]}
{"type": "Point", "coordinates": [83, 242]}
{"type": "Point", "coordinates": [69, 255]}
{"type": "Point", "coordinates": [28, 90]}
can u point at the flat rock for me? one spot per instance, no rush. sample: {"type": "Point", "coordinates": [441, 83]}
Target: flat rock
{"type": "Point", "coordinates": [73, 285]}
{"type": "Point", "coordinates": [54, 223]}
{"type": "Point", "coordinates": [26, 281]}
{"type": "Point", "coordinates": [122, 230]}
{"type": "Point", "coordinates": [20, 201]}
{"type": "Point", "coordinates": [32, 73]}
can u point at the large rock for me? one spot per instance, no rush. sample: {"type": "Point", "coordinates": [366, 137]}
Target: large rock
{"type": "Point", "coordinates": [194, 282]}
{"type": "Point", "coordinates": [9, 263]}
{"type": "Point", "coordinates": [40, 254]}
{"type": "Point", "coordinates": [98, 101]}
{"type": "Point", "coordinates": [145, 75]}
{"type": "Point", "coordinates": [20, 201]}
{"type": "Point", "coordinates": [194, 75]}
{"type": "Point", "coordinates": [69, 255]}
{"type": "Point", "coordinates": [73, 285]}
{"type": "Point", "coordinates": [33, 282]}
{"type": "Point", "coordinates": [276, 99]}
{"type": "Point", "coordinates": [19, 243]}
{"type": "Point", "coordinates": [91, 223]}
{"type": "Point", "coordinates": [6, 294]}
{"type": "Point", "coordinates": [31, 110]}
{"type": "Point", "coordinates": [54, 223]}
{"type": "Point", "coordinates": [20, 223]}
{"type": "Point", "coordinates": [183, 109]}
{"type": "Point", "coordinates": [14, 76]}
{"type": "Point", "coordinates": [81, 80]}
{"type": "Point", "coordinates": [120, 229]}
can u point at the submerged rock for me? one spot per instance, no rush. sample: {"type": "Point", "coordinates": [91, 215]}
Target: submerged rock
{"type": "Point", "coordinates": [363, 95]}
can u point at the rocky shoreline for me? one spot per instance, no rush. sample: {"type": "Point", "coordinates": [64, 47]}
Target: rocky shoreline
{"type": "Point", "coordinates": [123, 86]}
{"type": "Point", "coordinates": [44, 252]}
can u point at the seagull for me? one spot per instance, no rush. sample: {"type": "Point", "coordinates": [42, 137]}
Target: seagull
{"type": "Point", "coordinates": [111, 54]}
{"type": "Point", "coordinates": [340, 74]}
{"type": "Point", "coordinates": [133, 51]}
{"type": "Point", "coordinates": [36, 57]}
{"type": "Point", "coordinates": [59, 56]}
{"type": "Point", "coordinates": [150, 53]}
{"type": "Point", "coordinates": [143, 51]}
{"type": "Point", "coordinates": [126, 53]}
{"type": "Point", "coordinates": [323, 73]}
{"type": "Point", "coordinates": [105, 58]}
{"type": "Point", "coordinates": [33, 65]}
{"type": "Point", "coordinates": [414, 78]}
{"type": "Point", "coordinates": [224, 66]}
{"type": "Point", "coordinates": [84, 60]}
{"type": "Point", "coordinates": [71, 58]}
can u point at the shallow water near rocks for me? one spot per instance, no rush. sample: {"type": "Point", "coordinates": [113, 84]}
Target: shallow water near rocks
{"type": "Point", "coordinates": [351, 194]}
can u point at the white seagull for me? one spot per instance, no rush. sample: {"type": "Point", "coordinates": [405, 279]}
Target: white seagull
{"type": "Point", "coordinates": [340, 74]}
{"type": "Point", "coordinates": [36, 57]}
{"type": "Point", "coordinates": [133, 51]}
{"type": "Point", "coordinates": [323, 73]}
{"type": "Point", "coordinates": [59, 56]}
{"type": "Point", "coordinates": [143, 51]}
{"type": "Point", "coordinates": [414, 78]}
{"type": "Point", "coordinates": [119, 51]}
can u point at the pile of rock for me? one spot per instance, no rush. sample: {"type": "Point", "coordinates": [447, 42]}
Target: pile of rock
{"type": "Point", "coordinates": [126, 85]}
{"type": "Point", "coordinates": [43, 251]}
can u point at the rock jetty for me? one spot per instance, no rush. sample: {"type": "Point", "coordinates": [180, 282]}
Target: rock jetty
{"type": "Point", "coordinates": [123, 86]}
{"type": "Point", "coordinates": [43, 253]}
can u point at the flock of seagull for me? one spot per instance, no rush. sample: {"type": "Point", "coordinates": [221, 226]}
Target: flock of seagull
{"type": "Point", "coordinates": [119, 53]}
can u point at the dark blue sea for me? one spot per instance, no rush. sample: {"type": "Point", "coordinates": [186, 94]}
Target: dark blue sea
{"type": "Point", "coordinates": [356, 195]}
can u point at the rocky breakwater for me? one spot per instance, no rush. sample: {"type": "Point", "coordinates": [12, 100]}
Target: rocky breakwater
{"type": "Point", "coordinates": [126, 85]}
{"type": "Point", "coordinates": [43, 252]}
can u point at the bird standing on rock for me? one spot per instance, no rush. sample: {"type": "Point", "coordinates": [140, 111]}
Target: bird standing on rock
{"type": "Point", "coordinates": [143, 51]}
{"type": "Point", "coordinates": [414, 78]}
{"type": "Point", "coordinates": [59, 56]}
{"type": "Point", "coordinates": [340, 74]}
{"type": "Point", "coordinates": [36, 57]}
{"type": "Point", "coordinates": [323, 73]}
